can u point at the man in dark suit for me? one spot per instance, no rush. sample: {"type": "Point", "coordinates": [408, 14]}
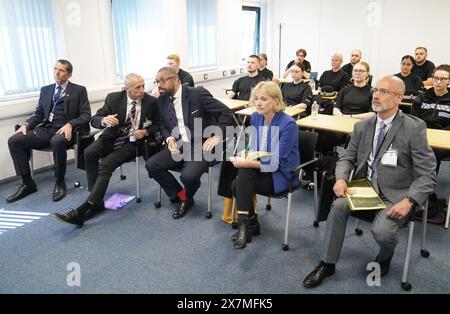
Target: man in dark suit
{"type": "Point", "coordinates": [62, 109]}
{"type": "Point", "coordinates": [391, 150]}
{"type": "Point", "coordinates": [185, 113]}
{"type": "Point", "coordinates": [128, 117]}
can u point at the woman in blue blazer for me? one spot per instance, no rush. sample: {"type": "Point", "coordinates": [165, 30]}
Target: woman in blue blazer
{"type": "Point", "coordinates": [271, 131]}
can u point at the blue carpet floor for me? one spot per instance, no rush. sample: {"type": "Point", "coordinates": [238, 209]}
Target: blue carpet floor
{"type": "Point", "coordinates": [141, 249]}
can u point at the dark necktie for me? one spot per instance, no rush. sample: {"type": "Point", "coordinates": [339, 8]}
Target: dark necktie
{"type": "Point", "coordinates": [57, 96]}
{"type": "Point", "coordinates": [377, 155]}
{"type": "Point", "coordinates": [122, 137]}
{"type": "Point", "coordinates": [172, 114]}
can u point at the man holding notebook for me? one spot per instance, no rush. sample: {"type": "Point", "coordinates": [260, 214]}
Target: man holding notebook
{"type": "Point", "coordinates": [391, 151]}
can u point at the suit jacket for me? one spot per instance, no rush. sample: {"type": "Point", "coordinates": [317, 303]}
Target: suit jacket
{"type": "Point", "coordinates": [415, 173]}
{"type": "Point", "coordinates": [282, 142]}
{"type": "Point", "coordinates": [76, 107]}
{"type": "Point", "coordinates": [197, 103]}
{"type": "Point", "coordinates": [116, 103]}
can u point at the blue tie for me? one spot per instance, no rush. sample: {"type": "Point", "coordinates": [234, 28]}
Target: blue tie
{"type": "Point", "coordinates": [57, 96]}
{"type": "Point", "coordinates": [377, 155]}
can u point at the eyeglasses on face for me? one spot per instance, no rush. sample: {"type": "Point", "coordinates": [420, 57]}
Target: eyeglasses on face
{"type": "Point", "coordinates": [441, 79]}
{"type": "Point", "coordinates": [359, 71]}
{"type": "Point", "coordinates": [295, 71]}
{"type": "Point", "coordinates": [382, 91]}
{"type": "Point", "coordinates": [163, 80]}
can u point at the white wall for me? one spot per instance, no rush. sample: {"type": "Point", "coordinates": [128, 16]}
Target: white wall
{"type": "Point", "coordinates": [384, 30]}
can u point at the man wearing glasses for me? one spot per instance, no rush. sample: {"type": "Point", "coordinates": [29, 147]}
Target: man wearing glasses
{"type": "Point", "coordinates": [389, 143]}
{"type": "Point", "coordinates": [185, 113]}
{"type": "Point", "coordinates": [433, 107]}
{"type": "Point", "coordinates": [300, 56]}
{"type": "Point", "coordinates": [127, 118]}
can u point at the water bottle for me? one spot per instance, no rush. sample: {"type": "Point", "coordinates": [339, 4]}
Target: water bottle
{"type": "Point", "coordinates": [314, 110]}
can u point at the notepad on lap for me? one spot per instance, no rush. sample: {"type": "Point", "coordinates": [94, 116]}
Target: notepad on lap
{"type": "Point", "coordinates": [363, 196]}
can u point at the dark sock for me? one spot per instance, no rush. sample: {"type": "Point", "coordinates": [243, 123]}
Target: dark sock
{"type": "Point", "coordinates": [27, 180]}
{"type": "Point", "coordinates": [60, 180]}
{"type": "Point", "coordinates": [328, 264]}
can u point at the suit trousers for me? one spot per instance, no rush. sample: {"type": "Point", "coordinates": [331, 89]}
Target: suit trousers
{"type": "Point", "coordinates": [248, 183]}
{"type": "Point", "coordinates": [384, 230]}
{"type": "Point", "coordinates": [20, 147]}
{"type": "Point", "coordinates": [158, 167]}
{"type": "Point", "coordinates": [101, 160]}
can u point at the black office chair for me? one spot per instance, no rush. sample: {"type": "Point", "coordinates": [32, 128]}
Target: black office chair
{"type": "Point", "coordinates": [307, 143]}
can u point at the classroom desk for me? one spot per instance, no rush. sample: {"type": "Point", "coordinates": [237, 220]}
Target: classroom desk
{"type": "Point", "coordinates": [234, 104]}
{"type": "Point", "coordinates": [292, 111]}
{"type": "Point", "coordinates": [329, 123]}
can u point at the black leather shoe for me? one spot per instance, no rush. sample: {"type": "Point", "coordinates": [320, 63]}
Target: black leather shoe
{"type": "Point", "coordinates": [74, 217]}
{"type": "Point", "coordinates": [316, 277]}
{"type": "Point", "coordinates": [94, 211]}
{"type": "Point", "coordinates": [384, 265]}
{"type": "Point", "coordinates": [253, 226]}
{"type": "Point", "coordinates": [59, 191]}
{"type": "Point", "coordinates": [182, 208]}
{"type": "Point", "coordinates": [23, 191]}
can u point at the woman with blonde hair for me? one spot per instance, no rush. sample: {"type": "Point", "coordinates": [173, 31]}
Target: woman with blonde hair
{"type": "Point", "coordinates": [276, 133]}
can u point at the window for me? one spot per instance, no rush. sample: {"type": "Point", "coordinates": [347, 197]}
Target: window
{"type": "Point", "coordinates": [28, 46]}
{"type": "Point", "coordinates": [138, 32]}
{"type": "Point", "coordinates": [250, 31]}
{"type": "Point", "coordinates": [202, 17]}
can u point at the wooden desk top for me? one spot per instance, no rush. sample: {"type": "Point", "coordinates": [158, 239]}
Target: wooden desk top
{"type": "Point", "coordinates": [438, 139]}
{"type": "Point", "coordinates": [234, 104]}
{"type": "Point", "coordinates": [292, 111]}
{"type": "Point", "coordinates": [329, 123]}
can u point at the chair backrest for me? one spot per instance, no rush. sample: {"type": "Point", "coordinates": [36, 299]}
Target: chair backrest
{"type": "Point", "coordinates": [307, 144]}
{"type": "Point", "coordinates": [314, 75]}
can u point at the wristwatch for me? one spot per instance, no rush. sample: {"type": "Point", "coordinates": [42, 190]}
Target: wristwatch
{"type": "Point", "coordinates": [411, 200]}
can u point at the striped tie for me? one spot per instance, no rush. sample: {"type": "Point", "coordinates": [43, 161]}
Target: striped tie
{"type": "Point", "coordinates": [122, 137]}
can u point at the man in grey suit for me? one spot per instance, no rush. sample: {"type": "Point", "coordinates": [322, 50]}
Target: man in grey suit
{"type": "Point", "coordinates": [392, 151]}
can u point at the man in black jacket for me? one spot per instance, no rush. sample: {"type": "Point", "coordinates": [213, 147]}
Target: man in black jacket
{"type": "Point", "coordinates": [185, 114]}
{"type": "Point", "coordinates": [128, 117]}
{"type": "Point", "coordinates": [63, 108]}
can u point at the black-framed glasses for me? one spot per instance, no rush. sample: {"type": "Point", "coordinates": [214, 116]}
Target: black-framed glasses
{"type": "Point", "coordinates": [383, 91]}
{"type": "Point", "coordinates": [359, 71]}
{"type": "Point", "coordinates": [442, 79]}
{"type": "Point", "coordinates": [163, 80]}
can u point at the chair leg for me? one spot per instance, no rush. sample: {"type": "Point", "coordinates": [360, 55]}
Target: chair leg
{"type": "Point", "coordinates": [138, 182]}
{"type": "Point", "coordinates": [423, 251]}
{"type": "Point", "coordinates": [316, 200]}
{"type": "Point", "coordinates": [358, 230]}
{"type": "Point", "coordinates": [208, 214]}
{"type": "Point", "coordinates": [158, 202]}
{"type": "Point", "coordinates": [269, 204]}
{"type": "Point", "coordinates": [122, 176]}
{"type": "Point", "coordinates": [234, 223]}
{"type": "Point", "coordinates": [31, 165]}
{"type": "Point", "coordinates": [286, 229]}
{"type": "Point", "coordinates": [448, 214]}
{"type": "Point", "coordinates": [405, 284]}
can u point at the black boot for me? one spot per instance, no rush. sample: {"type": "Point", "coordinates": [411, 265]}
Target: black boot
{"type": "Point", "coordinates": [244, 233]}
{"type": "Point", "coordinates": [253, 226]}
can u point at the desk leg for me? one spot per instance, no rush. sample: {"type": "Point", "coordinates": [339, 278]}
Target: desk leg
{"type": "Point", "coordinates": [448, 214]}
{"type": "Point", "coordinates": [240, 133]}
